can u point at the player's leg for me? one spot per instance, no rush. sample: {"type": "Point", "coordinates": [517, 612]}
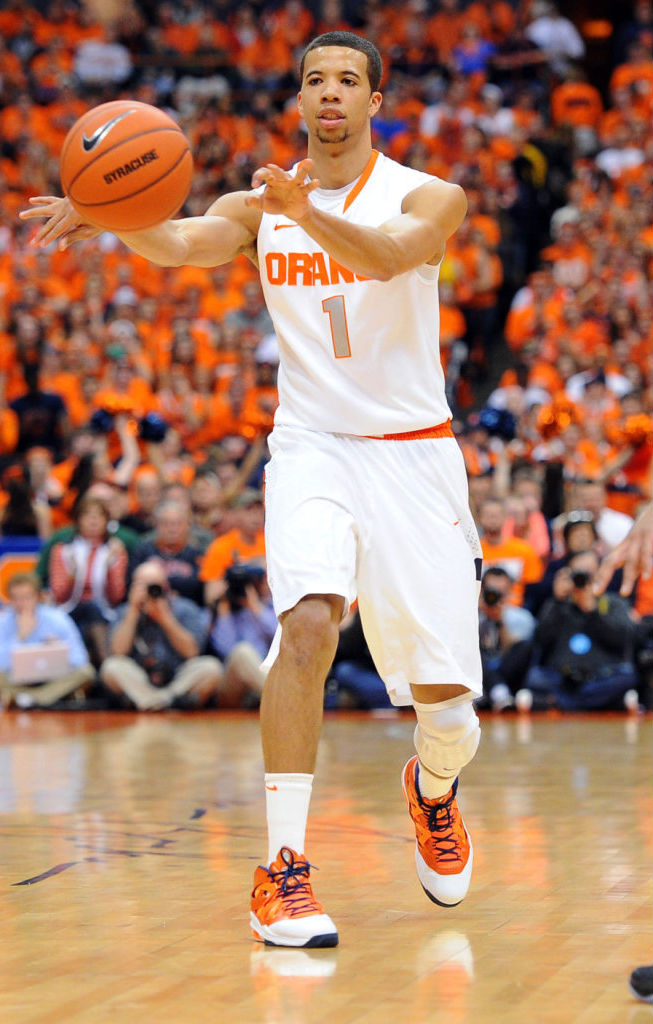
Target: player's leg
{"type": "Point", "coordinates": [284, 909]}
{"type": "Point", "coordinates": [418, 595]}
{"type": "Point", "coordinates": [311, 551]}
{"type": "Point", "coordinates": [446, 738]}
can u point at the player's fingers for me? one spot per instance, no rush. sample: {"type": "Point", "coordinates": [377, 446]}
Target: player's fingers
{"type": "Point", "coordinates": [304, 168]}
{"type": "Point", "coordinates": [41, 206]}
{"type": "Point", "coordinates": [608, 568]}
{"type": "Point", "coordinates": [261, 177]}
{"type": "Point", "coordinates": [310, 186]}
{"type": "Point", "coordinates": [53, 229]}
{"type": "Point", "coordinates": [81, 234]}
{"type": "Point", "coordinates": [631, 570]}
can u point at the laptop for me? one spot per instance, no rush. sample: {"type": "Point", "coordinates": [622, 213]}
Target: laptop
{"type": "Point", "coordinates": [38, 663]}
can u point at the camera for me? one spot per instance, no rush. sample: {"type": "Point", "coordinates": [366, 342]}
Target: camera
{"type": "Point", "coordinates": [239, 578]}
{"type": "Point", "coordinates": [152, 428]}
{"type": "Point", "coordinates": [491, 596]}
{"type": "Point", "coordinates": [154, 590]}
{"type": "Point", "coordinates": [101, 422]}
{"type": "Point", "coordinates": [580, 578]}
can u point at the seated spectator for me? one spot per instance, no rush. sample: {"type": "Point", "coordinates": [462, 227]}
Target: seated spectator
{"type": "Point", "coordinates": [504, 633]}
{"type": "Point", "coordinates": [42, 416]}
{"type": "Point", "coordinates": [21, 515]}
{"type": "Point", "coordinates": [556, 35]}
{"type": "Point", "coordinates": [583, 645]}
{"type": "Point", "coordinates": [579, 533]}
{"type": "Point", "coordinates": [28, 621]}
{"type": "Point", "coordinates": [156, 644]}
{"type": "Point", "coordinates": [529, 524]}
{"type": "Point", "coordinates": [112, 498]}
{"type": "Point", "coordinates": [611, 526]}
{"type": "Point", "coordinates": [171, 545]}
{"type": "Point", "coordinates": [519, 559]}
{"type": "Point", "coordinates": [147, 494]}
{"type": "Point", "coordinates": [244, 543]}
{"type": "Point", "coordinates": [88, 575]}
{"type": "Point", "coordinates": [242, 632]}
{"type": "Point", "coordinates": [353, 680]}
{"type": "Point", "coordinates": [206, 500]}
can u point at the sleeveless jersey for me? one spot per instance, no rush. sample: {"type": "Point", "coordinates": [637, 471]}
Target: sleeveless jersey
{"type": "Point", "coordinates": [356, 356]}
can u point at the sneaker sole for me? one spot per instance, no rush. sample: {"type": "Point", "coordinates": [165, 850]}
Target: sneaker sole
{"type": "Point", "coordinates": [466, 874]}
{"type": "Point", "coordinates": [263, 933]}
{"type": "Point", "coordinates": [638, 995]}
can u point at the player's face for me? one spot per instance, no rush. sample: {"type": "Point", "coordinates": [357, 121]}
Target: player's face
{"type": "Point", "coordinates": [336, 100]}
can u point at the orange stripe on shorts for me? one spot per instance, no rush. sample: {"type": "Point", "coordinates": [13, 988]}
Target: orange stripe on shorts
{"type": "Point", "coordinates": [440, 430]}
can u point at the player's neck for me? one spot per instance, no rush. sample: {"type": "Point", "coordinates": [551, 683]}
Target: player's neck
{"type": "Point", "coordinates": [336, 166]}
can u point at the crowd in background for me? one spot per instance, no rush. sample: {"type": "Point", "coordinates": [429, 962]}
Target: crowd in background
{"type": "Point", "coordinates": [135, 401]}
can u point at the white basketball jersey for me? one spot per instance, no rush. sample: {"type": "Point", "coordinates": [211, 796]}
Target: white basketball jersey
{"type": "Point", "coordinates": [357, 356]}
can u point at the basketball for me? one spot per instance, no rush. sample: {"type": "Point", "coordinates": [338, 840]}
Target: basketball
{"type": "Point", "coordinates": [126, 166]}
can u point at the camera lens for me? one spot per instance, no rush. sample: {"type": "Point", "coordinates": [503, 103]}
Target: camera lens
{"type": "Point", "coordinates": [491, 597]}
{"type": "Point", "coordinates": [580, 578]}
{"type": "Point", "coordinates": [154, 590]}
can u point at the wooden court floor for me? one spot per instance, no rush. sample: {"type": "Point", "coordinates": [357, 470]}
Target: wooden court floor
{"type": "Point", "coordinates": [127, 845]}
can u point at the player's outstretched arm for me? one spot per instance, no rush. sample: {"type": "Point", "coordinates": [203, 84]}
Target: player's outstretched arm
{"type": "Point", "coordinates": [635, 554]}
{"type": "Point", "coordinates": [228, 228]}
{"type": "Point", "coordinates": [430, 215]}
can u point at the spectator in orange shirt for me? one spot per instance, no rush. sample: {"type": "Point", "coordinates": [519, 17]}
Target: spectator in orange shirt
{"type": "Point", "coordinates": [125, 391]}
{"type": "Point", "coordinates": [245, 543]}
{"type": "Point", "coordinates": [528, 524]}
{"type": "Point", "coordinates": [516, 556]}
{"type": "Point", "coordinates": [636, 71]}
{"type": "Point", "coordinates": [575, 102]}
{"type": "Point", "coordinates": [180, 406]}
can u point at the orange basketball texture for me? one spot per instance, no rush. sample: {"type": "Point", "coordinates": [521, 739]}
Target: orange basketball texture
{"type": "Point", "coordinates": [126, 166]}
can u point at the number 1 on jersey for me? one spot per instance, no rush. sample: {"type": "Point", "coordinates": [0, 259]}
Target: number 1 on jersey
{"type": "Point", "coordinates": [335, 307]}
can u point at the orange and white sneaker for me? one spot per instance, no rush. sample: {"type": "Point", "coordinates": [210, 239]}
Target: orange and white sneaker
{"type": "Point", "coordinates": [443, 852]}
{"type": "Point", "coordinates": [284, 911]}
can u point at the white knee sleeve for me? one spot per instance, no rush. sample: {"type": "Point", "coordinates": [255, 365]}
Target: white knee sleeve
{"type": "Point", "coordinates": [446, 737]}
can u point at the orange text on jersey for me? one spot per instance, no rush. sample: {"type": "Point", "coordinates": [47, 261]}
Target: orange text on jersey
{"type": "Point", "coordinates": [307, 268]}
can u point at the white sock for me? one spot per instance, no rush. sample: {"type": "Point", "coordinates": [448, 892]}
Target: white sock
{"type": "Point", "coordinates": [287, 796]}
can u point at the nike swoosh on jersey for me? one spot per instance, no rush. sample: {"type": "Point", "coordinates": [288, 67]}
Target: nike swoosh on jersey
{"type": "Point", "coordinates": [277, 227]}
{"type": "Point", "coordinates": [101, 132]}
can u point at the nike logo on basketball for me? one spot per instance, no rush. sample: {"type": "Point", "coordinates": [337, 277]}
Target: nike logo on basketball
{"type": "Point", "coordinates": [277, 227]}
{"type": "Point", "coordinates": [102, 131]}
{"type": "Point", "coordinates": [272, 788]}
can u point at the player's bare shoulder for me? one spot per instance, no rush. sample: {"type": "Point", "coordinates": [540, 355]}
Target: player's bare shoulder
{"type": "Point", "coordinates": [234, 206]}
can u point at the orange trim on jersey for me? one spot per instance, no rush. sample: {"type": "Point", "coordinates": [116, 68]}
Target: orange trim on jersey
{"type": "Point", "coordinates": [362, 181]}
{"type": "Point", "coordinates": [440, 430]}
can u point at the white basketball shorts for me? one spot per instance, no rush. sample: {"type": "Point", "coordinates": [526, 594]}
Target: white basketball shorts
{"type": "Point", "coordinates": [386, 522]}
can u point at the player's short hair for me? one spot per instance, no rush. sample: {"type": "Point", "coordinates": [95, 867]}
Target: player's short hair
{"type": "Point", "coordinates": [353, 42]}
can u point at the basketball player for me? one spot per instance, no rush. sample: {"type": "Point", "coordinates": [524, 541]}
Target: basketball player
{"type": "Point", "coordinates": [366, 493]}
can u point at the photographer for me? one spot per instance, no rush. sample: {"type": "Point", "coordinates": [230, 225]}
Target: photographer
{"type": "Point", "coordinates": [505, 632]}
{"type": "Point", "coordinates": [242, 632]}
{"type": "Point", "coordinates": [583, 644]}
{"type": "Point", "coordinates": [155, 644]}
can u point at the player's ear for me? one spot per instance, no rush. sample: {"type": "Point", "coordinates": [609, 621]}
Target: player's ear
{"type": "Point", "coordinates": [300, 106]}
{"type": "Point", "coordinates": [376, 99]}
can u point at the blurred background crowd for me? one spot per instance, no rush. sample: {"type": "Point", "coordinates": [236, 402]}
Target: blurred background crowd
{"type": "Point", "coordinates": [135, 402]}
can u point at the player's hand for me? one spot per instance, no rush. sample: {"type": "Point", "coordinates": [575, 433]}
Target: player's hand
{"type": "Point", "coordinates": [284, 193]}
{"type": "Point", "coordinates": [63, 222]}
{"type": "Point", "coordinates": [635, 553]}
